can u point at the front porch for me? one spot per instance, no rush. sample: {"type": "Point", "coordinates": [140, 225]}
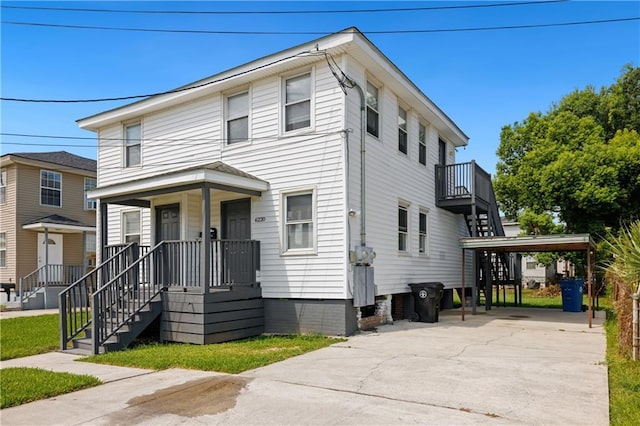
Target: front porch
{"type": "Point", "coordinates": [189, 284]}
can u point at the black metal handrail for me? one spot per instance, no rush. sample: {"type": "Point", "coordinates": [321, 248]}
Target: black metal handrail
{"type": "Point", "coordinates": [462, 181]}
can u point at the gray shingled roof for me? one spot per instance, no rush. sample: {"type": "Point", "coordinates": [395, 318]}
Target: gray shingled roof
{"type": "Point", "coordinates": [61, 158]}
{"type": "Point", "coordinates": [57, 220]}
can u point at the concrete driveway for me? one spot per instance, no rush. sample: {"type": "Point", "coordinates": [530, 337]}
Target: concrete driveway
{"type": "Point", "coordinates": [507, 366]}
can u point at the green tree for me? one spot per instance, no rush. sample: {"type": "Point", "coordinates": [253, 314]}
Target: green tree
{"type": "Point", "coordinates": [578, 163]}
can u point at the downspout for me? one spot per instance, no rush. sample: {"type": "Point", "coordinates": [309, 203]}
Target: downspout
{"type": "Point", "coordinates": [363, 124]}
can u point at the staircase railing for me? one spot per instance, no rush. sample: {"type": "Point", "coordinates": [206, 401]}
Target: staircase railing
{"type": "Point", "coordinates": [75, 300]}
{"type": "Point", "coordinates": [45, 276]}
{"type": "Point", "coordinates": [116, 303]}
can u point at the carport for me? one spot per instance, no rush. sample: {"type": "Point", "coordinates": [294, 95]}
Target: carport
{"type": "Point", "coordinates": [529, 243]}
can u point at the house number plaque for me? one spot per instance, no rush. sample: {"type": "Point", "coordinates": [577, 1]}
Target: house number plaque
{"type": "Point", "coordinates": [260, 219]}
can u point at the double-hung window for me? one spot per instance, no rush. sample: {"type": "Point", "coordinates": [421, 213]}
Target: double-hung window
{"type": "Point", "coordinates": [372, 110]}
{"type": "Point", "coordinates": [89, 185]}
{"type": "Point", "coordinates": [402, 130]}
{"type": "Point", "coordinates": [297, 102]}
{"type": "Point", "coordinates": [132, 144]}
{"type": "Point", "coordinates": [3, 186]}
{"type": "Point", "coordinates": [423, 239]}
{"type": "Point", "coordinates": [50, 188]}
{"type": "Point", "coordinates": [238, 118]}
{"type": "Point", "coordinates": [403, 228]}
{"type": "Point", "coordinates": [299, 229]}
{"type": "Point", "coordinates": [422, 144]}
{"type": "Point", "coordinates": [3, 249]}
{"type": "Point", "coordinates": [131, 227]}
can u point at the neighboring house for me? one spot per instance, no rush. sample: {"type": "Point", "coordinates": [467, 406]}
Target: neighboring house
{"type": "Point", "coordinates": [47, 224]}
{"type": "Point", "coordinates": [246, 192]}
{"type": "Point", "coordinates": [534, 274]}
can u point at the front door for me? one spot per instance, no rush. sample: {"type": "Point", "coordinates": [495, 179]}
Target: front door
{"type": "Point", "coordinates": [54, 246]}
{"type": "Point", "coordinates": [236, 226]}
{"type": "Point", "coordinates": [168, 229]}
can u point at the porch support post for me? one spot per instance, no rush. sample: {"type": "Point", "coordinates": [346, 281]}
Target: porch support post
{"type": "Point", "coordinates": [205, 252]}
{"type": "Point", "coordinates": [46, 264]}
{"type": "Point", "coordinates": [85, 262]}
{"type": "Point", "coordinates": [488, 288]}
{"type": "Point", "coordinates": [462, 281]}
{"type": "Point", "coordinates": [103, 231]}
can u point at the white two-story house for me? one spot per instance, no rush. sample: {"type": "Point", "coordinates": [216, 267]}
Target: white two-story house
{"type": "Point", "coordinates": [304, 181]}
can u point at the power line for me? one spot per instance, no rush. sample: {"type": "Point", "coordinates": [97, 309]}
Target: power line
{"type": "Point", "coordinates": [182, 89]}
{"type": "Point", "coordinates": [281, 12]}
{"type": "Point", "coordinates": [316, 33]}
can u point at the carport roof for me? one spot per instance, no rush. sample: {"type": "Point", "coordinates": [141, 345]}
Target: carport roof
{"type": "Point", "coordinates": [529, 243]}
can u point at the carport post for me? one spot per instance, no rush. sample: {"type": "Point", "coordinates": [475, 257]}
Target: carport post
{"type": "Point", "coordinates": [463, 298]}
{"type": "Point", "coordinates": [589, 311]}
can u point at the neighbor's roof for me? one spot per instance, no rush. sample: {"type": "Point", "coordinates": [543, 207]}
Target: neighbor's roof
{"type": "Point", "coordinates": [529, 243]}
{"type": "Point", "coordinates": [60, 158]}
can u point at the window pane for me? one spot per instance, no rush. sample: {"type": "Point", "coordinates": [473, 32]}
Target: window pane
{"type": "Point", "coordinates": [423, 223]}
{"type": "Point", "coordinates": [422, 154]}
{"type": "Point", "coordinates": [300, 235]}
{"type": "Point", "coordinates": [402, 219]}
{"type": "Point", "coordinates": [133, 155]}
{"type": "Point", "coordinates": [238, 105]}
{"type": "Point", "coordinates": [298, 115]}
{"type": "Point", "coordinates": [372, 122]}
{"type": "Point", "coordinates": [402, 141]}
{"type": "Point", "coordinates": [132, 223]}
{"type": "Point", "coordinates": [298, 88]}
{"type": "Point", "coordinates": [238, 130]}
{"type": "Point", "coordinates": [402, 242]}
{"type": "Point", "coordinates": [422, 133]}
{"type": "Point", "coordinates": [50, 197]}
{"type": "Point", "coordinates": [372, 96]}
{"type": "Point", "coordinates": [133, 134]}
{"type": "Point", "coordinates": [402, 119]}
{"type": "Point", "coordinates": [132, 239]}
{"type": "Point", "coordinates": [299, 207]}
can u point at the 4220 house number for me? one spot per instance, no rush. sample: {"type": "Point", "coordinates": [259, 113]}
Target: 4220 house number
{"type": "Point", "coordinates": [260, 219]}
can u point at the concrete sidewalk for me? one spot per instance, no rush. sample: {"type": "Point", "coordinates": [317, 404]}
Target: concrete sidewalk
{"type": "Point", "coordinates": [506, 366]}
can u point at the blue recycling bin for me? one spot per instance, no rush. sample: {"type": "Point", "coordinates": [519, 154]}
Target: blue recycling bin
{"type": "Point", "coordinates": [572, 295]}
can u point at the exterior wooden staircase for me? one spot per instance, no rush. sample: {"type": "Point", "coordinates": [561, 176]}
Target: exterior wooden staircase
{"type": "Point", "coordinates": [466, 189]}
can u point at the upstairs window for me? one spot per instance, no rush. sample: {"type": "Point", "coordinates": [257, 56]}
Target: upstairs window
{"type": "Point", "coordinates": [50, 188]}
{"type": "Point", "coordinates": [297, 108]}
{"type": "Point", "coordinates": [131, 227]}
{"type": "Point", "coordinates": [372, 110]}
{"type": "Point", "coordinates": [238, 118]}
{"type": "Point", "coordinates": [132, 145]}
{"type": "Point", "coordinates": [89, 185]}
{"type": "Point", "coordinates": [3, 186]}
{"type": "Point", "coordinates": [403, 228]}
{"type": "Point", "coordinates": [422, 144]}
{"type": "Point", "coordinates": [402, 130]}
{"type": "Point", "coordinates": [299, 229]}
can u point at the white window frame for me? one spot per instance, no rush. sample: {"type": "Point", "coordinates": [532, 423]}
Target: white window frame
{"type": "Point", "coordinates": [403, 234]}
{"type": "Point", "coordinates": [3, 249]}
{"type": "Point", "coordinates": [125, 232]}
{"type": "Point", "coordinates": [424, 240]}
{"type": "Point", "coordinates": [311, 100]}
{"type": "Point", "coordinates": [50, 188]}
{"type": "Point", "coordinates": [90, 203]}
{"type": "Point", "coordinates": [403, 130]}
{"type": "Point", "coordinates": [131, 144]}
{"type": "Point", "coordinates": [370, 107]}
{"type": "Point", "coordinates": [285, 250]}
{"type": "Point", "coordinates": [3, 185]}
{"type": "Point", "coordinates": [229, 117]}
{"type": "Point", "coordinates": [422, 143]}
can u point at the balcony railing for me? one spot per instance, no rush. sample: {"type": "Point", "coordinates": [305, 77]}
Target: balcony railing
{"type": "Point", "coordinates": [463, 181]}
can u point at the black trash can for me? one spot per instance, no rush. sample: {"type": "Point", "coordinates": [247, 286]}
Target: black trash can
{"type": "Point", "coordinates": [427, 300]}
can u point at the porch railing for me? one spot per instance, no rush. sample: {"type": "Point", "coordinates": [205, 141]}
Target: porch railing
{"type": "Point", "coordinates": [74, 301]}
{"type": "Point", "coordinates": [45, 276]}
{"type": "Point", "coordinates": [462, 180]}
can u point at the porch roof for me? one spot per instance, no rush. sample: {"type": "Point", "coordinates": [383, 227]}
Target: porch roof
{"type": "Point", "coordinates": [57, 223]}
{"type": "Point", "coordinates": [529, 243]}
{"type": "Point", "coordinates": [217, 175]}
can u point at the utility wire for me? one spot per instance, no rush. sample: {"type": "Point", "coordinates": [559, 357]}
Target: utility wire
{"type": "Point", "coordinates": [183, 89]}
{"type": "Point", "coordinates": [280, 12]}
{"type": "Point", "coordinates": [238, 32]}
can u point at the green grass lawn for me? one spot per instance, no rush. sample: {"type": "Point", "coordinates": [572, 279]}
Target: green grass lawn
{"type": "Point", "coordinates": [24, 336]}
{"type": "Point", "coordinates": [529, 299]}
{"type": "Point", "coordinates": [20, 385]}
{"type": "Point", "coordinates": [230, 357]}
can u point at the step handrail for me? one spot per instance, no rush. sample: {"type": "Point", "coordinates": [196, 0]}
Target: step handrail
{"type": "Point", "coordinates": [116, 302]}
{"type": "Point", "coordinates": [74, 301]}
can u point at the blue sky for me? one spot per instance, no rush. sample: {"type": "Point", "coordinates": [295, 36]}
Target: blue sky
{"type": "Point", "coordinates": [482, 79]}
